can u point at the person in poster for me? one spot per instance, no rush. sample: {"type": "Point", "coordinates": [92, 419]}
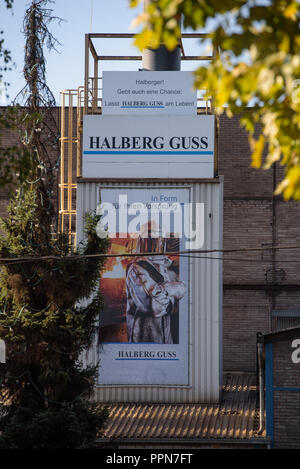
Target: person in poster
{"type": "Point", "coordinates": [144, 323]}
{"type": "Point", "coordinates": [153, 289]}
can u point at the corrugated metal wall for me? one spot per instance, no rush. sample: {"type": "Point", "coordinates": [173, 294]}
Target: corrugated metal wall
{"type": "Point", "coordinates": [205, 354]}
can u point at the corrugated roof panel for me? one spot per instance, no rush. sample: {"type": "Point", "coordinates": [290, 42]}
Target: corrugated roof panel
{"type": "Point", "coordinates": [233, 418]}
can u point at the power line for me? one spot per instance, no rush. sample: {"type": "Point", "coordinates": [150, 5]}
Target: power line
{"type": "Point", "coordinates": [238, 259]}
{"type": "Point", "coordinates": [187, 253]}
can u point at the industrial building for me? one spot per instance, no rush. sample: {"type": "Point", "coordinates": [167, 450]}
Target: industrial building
{"type": "Point", "coordinates": [236, 382]}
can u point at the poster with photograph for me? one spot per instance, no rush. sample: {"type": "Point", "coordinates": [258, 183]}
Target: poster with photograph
{"type": "Point", "coordinates": [144, 325]}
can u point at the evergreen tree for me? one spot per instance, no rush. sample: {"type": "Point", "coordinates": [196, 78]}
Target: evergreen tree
{"type": "Point", "coordinates": [41, 321]}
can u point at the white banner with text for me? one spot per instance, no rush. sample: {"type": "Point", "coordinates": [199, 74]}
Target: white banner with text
{"type": "Point", "coordinates": [148, 93]}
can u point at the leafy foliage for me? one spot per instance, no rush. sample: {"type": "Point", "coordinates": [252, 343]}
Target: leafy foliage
{"type": "Point", "coordinates": [30, 121]}
{"type": "Point", "coordinates": [37, 19]}
{"type": "Point", "coordinates": [5, 56]}
{"type": "Point", "coordinates": [39, 128]}
{"type": "Point", "coordinates": [45, 331]}
{"type": "Point", "coordinates": [70, 426]}
{"type": "Point", "coordinates": [43, 320]}
{"type": "Point", "coordinates": [257, 64]}
{"type": "Point", "coordinates": [15, 160]}
{"type": "Point", "coordinates": [12, 160]}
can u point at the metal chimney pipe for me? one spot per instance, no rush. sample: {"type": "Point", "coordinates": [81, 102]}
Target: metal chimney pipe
{"type": "Point", "coordinates": [161, 58]}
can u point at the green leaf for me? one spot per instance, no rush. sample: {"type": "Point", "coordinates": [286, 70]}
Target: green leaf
{"type": "Point", "coordinates": [257, 147]}
{"type": "Point", "coordinates": [257, 64]}
{"type": "Point", "coordinates": [143, 40]}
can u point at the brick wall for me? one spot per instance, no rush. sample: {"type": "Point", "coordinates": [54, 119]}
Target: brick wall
{"type": "Point", "coordinates": [286, 403]}
{"type": "Point", "coordinates": [244, 313]}
{"type": "Point", "coordinates": [253, 218]}
{"type": "Point", "coordinates": [286, 420]}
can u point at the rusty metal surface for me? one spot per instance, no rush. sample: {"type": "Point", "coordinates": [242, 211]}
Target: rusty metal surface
{"type": "Point", "coordinates": [235, 417]}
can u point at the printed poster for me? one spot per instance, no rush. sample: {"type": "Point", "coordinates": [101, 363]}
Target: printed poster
{"type": "Point", "coordinates": [144, 326]}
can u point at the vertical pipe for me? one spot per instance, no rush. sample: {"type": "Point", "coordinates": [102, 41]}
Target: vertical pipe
{"type": "Point", "coordinates": [161, 58]}
{"type": "Point", "coordinates": [259, 344]}
{"type": "Point", "coordinates": [62, 161]}
{"type": "Point", "coordinates": [273, 238]}
{"type": "Point", "coordinates": [272, 292]}
{"type": "Point", "coordinates": [269, 393]}
{"type": "Point", "coordinates": [70, 164]}
{"type": "Point", "coordinates": [86, 73]}
{"type": "Point", "coordinates": [212, 101]}
{"type": "Point", "coordinates": [78, 134]}
{"type": "Point", "coordinates": [95, 87]}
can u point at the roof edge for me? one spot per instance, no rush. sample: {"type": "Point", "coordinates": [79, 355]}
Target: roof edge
{"type": "Point", "coordinates": [277, 336]}
{"type": "Point", "coordinates": [241, 441]}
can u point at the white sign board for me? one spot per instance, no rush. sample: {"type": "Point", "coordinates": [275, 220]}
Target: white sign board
{"type": "Point", "coordinates": [148, 146]}
{"type": "Point", "coordinates": [159, 93]}
{"type": "Point", "coordinates": [144, 326]}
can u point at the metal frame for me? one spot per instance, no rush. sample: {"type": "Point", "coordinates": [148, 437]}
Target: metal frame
{"type": "Point", "coordinates": [86, 100]}
{"type": "Point", "coordinates": [91, 84]}
{"type": "Point", "coordinates": [69, 137]}
{"type": "Point", "coordinates": [269, 392]}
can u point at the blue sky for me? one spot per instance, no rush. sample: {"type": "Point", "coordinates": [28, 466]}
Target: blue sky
{"type": "Point", "coordinates": [65, 70]}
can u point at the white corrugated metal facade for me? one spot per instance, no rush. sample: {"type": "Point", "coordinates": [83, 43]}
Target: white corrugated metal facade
{"type": "Point", "coordinates": [205, 291]}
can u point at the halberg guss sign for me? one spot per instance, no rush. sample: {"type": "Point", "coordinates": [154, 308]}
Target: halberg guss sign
{"type": "Point", "coordinates": [148, 146]}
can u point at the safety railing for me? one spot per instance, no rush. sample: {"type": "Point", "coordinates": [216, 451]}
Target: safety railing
{"type": "Point", "coordinates": [92, 78]}
{"type": "Point", "coordinates": [71, 110]}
